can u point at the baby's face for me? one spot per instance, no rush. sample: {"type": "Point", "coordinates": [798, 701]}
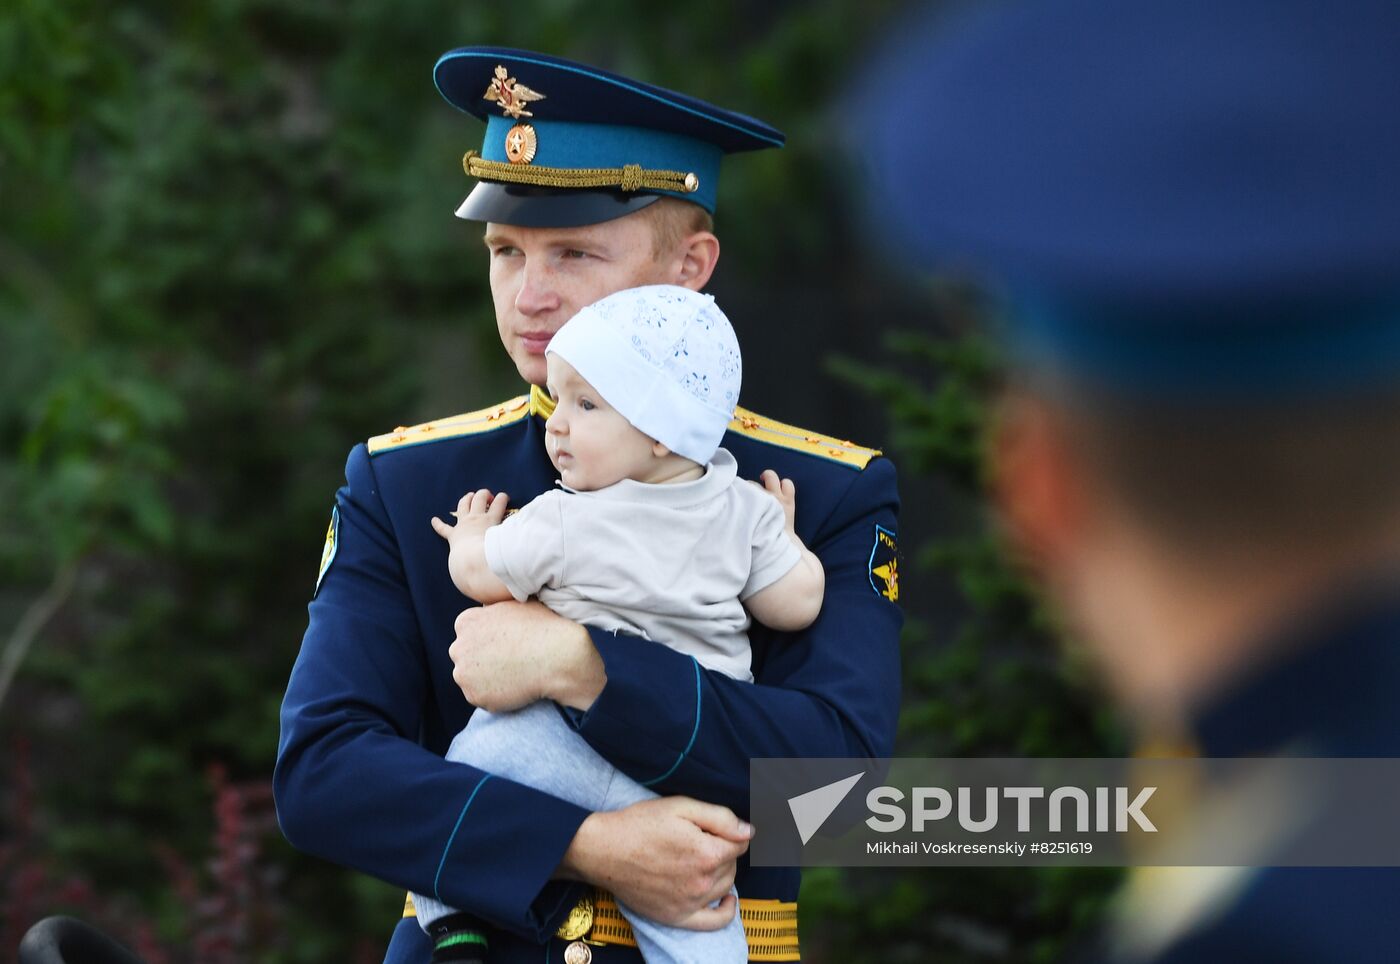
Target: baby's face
{"type": "Point", "coordinates": [588, 441]}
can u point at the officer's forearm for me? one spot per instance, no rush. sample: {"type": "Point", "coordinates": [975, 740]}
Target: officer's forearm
{"type": "Point", "coordinates": [351, 782]}
{"type": "Point", "coordinates": [680, 729]}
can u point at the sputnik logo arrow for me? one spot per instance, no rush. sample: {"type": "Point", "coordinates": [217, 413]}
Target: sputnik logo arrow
{"type": "Point", "coordinates": [810, 809]}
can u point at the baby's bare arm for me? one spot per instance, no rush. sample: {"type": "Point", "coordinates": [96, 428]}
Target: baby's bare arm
{"type": "Point", "coordinates": [466, 558]}
{"type": "Point", "coordinates": [793, 602]}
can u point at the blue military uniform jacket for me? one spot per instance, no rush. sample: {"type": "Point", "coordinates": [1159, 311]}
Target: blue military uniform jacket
{"type": "Point", "coordinates": [371, 705]}
{"type": "Point", "coordinates": [1331, 693]}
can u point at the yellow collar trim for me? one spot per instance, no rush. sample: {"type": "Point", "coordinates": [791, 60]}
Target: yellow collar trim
{"type": "Point", "coordinates": [468, 423]}
{"type": "Point", "coordinates": [786, 436]}
{"type": "Point", "coordinates": [540, 402]}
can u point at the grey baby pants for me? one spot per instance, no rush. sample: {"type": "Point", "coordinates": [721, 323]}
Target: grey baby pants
{"type": "Point", "coordinates": [536, 747]}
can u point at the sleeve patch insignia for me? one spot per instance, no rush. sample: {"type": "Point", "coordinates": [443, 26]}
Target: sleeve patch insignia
{"type": "Point", "coordinates": [328, 553]}
{"type": "Point", "coordinates": [884, 564]}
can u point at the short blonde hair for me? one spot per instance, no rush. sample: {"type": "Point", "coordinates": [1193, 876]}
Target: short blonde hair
{"type": "Point", "coordinates": [672, 221]}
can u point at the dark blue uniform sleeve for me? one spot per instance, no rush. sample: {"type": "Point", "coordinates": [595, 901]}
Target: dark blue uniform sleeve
{"type": "Point", "coordinates": [352, 784]}
{"type": "Point", "coordinates": [832, 690]}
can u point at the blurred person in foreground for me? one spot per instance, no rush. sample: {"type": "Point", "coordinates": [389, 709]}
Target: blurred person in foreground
{"type": "Point", "coordinates": [1191, 210]}
{"type": "Point", "coordinates": [588, 183]}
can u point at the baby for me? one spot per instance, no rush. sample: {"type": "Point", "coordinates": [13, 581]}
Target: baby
{"type": "Point", "coordinates": [651, 533]}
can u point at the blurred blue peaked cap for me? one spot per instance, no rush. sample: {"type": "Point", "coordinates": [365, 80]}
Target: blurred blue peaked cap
{"type": "Point", "coordinates": [567, 144]}
{"type": "Point", "coordinates": [1177, 194]}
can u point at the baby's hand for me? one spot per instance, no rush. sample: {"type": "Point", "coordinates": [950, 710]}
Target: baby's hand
{"type": "Point", "coordinates": [785, 492]}
{"type": "Point", "coordinates": [476, 512]}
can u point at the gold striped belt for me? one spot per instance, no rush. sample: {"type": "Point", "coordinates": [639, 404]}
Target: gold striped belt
{"type": "Point", "coordinates": [770, 926]}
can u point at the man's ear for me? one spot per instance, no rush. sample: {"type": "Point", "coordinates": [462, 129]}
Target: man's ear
{"type": "Point", "coordinates": [699, 255]}
{"type": "Point", "coordinates": [1037, 484]}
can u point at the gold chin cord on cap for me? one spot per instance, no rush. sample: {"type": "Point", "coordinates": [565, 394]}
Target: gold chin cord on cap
{"type": "Point", "coordinates": [631, 177]}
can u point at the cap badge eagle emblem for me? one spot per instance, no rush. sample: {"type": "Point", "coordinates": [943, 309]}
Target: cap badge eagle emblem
{"type": "Point", "coordinates": [511, 96]}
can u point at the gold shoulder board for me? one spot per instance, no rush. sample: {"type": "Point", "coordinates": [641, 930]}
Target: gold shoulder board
{"type": "Point", "coordinates": [800, 439]}
{"type": "Point", "coordinates": [469, 423]}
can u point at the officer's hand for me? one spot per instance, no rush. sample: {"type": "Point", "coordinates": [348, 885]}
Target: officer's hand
{"type": "Point", "coordinates": [668, 859]}
{"type": "Point", "coordinates": [509, 654]}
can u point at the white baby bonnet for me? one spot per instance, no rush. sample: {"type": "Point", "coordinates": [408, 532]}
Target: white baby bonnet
{"type": "Point", "coordinates": [665, 358]}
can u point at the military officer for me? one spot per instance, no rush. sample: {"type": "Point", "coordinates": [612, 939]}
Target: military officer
{"type": "Point", "coordinates": [1190, 208]}
{"type": "Point", "coordinates": [587, 183]}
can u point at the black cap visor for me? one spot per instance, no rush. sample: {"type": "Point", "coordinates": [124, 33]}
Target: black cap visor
{"type": "Point", "coordinates": [528, 206]}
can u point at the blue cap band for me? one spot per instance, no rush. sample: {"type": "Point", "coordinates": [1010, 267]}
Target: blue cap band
{"type": "Point", "coordinates": [1191, 352]}
{"type": "Point", "coordinates": [575, 145]}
